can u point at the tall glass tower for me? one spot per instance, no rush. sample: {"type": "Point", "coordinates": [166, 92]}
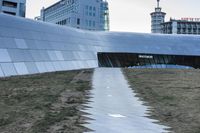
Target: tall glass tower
{"type": "Point", "coordinates": [157, 18]}
{"type": "Point", "coordinates": [104, 16]}
{"type": "Point", "coordinates": [13, 7]}
{"type": "Point", "coordinates": [81, 14]}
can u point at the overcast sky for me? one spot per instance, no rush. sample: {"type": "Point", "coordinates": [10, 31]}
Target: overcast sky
{"type": "Point", "coordinates": [132, 15]}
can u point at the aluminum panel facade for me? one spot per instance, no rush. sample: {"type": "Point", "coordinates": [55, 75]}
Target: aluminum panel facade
{"type": "Point", "coordinates": [28, 46]}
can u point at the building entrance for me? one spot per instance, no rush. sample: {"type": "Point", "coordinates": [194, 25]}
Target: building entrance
{"type": "Point", "coordinates": [139, 59]}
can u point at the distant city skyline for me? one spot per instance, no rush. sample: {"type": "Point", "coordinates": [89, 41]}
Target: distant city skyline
{"type": "Point", "coordinates": [132, 15]}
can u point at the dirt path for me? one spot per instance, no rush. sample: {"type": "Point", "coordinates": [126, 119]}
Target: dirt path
{"type": "Point", "coordinates": [174, 95]}
{"type": "Point", "coordinates": [44, 103]}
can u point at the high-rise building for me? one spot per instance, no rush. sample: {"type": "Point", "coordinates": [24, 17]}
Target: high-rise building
{"type": "Point", "coordinates": [157, 18]}
{"type": "Point", "coordinates": [83, 14]}
{"type": "Point", "coordinates": [173, 26]}
{"type": "Point", "coordinates": [182, 26]}
{"type": "Point", "coordinates": [13, 7]}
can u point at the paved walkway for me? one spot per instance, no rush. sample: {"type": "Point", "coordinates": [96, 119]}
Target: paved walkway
{"type": "Point", "coordinates": [115, 109]}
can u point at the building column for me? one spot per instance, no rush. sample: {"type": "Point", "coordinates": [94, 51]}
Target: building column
{"type": "Point", "coordinates": [174, 27]}
{"type": "Point", "coordinates": [1, 5]}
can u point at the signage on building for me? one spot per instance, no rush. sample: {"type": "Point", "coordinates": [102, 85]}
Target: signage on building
{"type": "Point", "coordinates": [146, 56]}
{"type": "Point", "coordinates": [190, 19]}
{"type": "Point", "coordinates": [67, 2]}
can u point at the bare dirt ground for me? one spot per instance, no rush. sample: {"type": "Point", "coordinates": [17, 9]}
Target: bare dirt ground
{"type": "Point", "coordinates": [44, 103]}
{"type": "Point", "coordinates": [173, 94]}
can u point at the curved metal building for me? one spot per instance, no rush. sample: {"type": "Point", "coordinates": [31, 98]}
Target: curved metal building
{"type": "Point", "coordinates": [28, 47]}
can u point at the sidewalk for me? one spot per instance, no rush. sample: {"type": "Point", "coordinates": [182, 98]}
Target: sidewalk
{"type": "Point", "coordinates": [114, 107]}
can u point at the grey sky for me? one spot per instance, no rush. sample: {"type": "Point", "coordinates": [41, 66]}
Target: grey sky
{"type": "Point", "coordinates": [132, 15]}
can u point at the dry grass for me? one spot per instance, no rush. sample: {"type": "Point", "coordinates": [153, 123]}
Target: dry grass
{"type": "Point", "coordinates": [44, 102]}
{"type": "Point", "coordinates": [174, 95]}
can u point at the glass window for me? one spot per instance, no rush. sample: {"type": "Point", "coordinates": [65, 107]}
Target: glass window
{"type": "Point", "coordinates": [86, 13]}
{"type": "Point", "coordinates": [10, 4]}
{"type": "Point", "coordinates": [78, 21]}
{"type": "Point", "coordinates": [86, 22]}
{"type": "Point", "coordinates": [10, 13]}
{"type": "Point", "coordinates": [22, 8]}
{"type": "Point", "coordinates": [93, 24]}
{"type": "Point", "coordinates": [86, 7]}
{"type": "Point", "coordinates": [90, 23]}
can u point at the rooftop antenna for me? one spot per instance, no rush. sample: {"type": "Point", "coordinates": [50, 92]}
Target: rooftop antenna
{"type": "Point", "coordinates": [158, 3]}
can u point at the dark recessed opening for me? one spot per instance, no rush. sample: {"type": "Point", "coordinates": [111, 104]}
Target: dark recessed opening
{"type": "Point", "coordinates": [78, 21]}
{"type": "Point", "coordinates": [137, 59]}
{"type": "Point", "coordinates": [10, 13]}
{"type": "Point", "coordinates": [10, 4]}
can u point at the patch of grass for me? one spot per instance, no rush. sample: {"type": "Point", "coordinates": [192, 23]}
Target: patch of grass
{"type": "Point", "coordinates": [51, 118]}
{"type": "Point", "coordinates": [36, 103]}
{"type": "Point", "coordinates": [5, 121]}
{"type": "Point", "coordinates": [173, 93]}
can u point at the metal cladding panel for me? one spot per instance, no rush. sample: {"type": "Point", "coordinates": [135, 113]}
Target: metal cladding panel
{"type": "Point", "coordinates": [57, 65]}
{"type": "Point", "coordinates": [59, 55]}
{"type": "Point", "coordinates": [7, 42]}
{"type": "Point", "coordinates": [31, 44]}
{"type": "Point", "coordinates": [8, 69]}
{"type": "Point", "coordinates": [52, 55]}
{"type": "Point", "coordinates": [68, 55]}
{"type": "Point", "coordinates": [21, 44]}
{"type": "Point", "coordinates": [21, 68]}
{"type": "Point", "coordinates": [4, 56]}
{"type": "Point", "coordinates": [36, 55]}
{"type": "Point", "coordinates": [28, 46]}
{"type": "Point", "coordinates": [49, 66]}
{"type": "Point", "coordinates": [32, 68]}
{"type": "Point", "coordinates": [1, 72]}
{"type": "Point", "coordinates": [20, 55]}
{"type": "Point", "coordinates": [41, 67]}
